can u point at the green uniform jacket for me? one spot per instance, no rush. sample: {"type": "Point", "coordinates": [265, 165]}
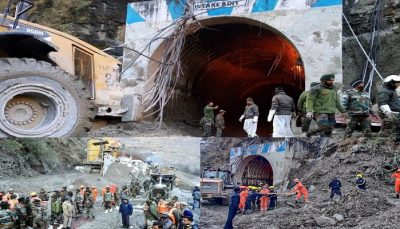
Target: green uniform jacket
{"type": "Point", "coordinates": [301, 103]}
{"type": "Point", "coordinates": [208, 113]}
{"type": "Point", "coordinates": [322, 99]}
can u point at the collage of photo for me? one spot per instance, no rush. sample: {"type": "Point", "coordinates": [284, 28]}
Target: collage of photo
{"type": "Point", "coordinates": [189, 114]}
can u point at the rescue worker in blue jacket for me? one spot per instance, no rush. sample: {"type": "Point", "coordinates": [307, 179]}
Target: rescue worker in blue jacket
{"type": "Point", "coordinates": [361, 183]}
{"type": "Point", "coordinates": [335, 186]}
{"type": "Point", "coordinates": [273, 198]}
{"type": "Point", "coordinates": [233, 207]}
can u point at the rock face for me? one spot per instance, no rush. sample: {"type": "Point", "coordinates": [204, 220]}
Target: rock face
{"type": "Point", "coordinates": [359, 14]}
{"type": "Point", "coordinates": [98, 22]}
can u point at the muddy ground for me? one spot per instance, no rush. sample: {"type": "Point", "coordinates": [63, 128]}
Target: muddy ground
{"type": "Point", "coordinates": [374, 208]}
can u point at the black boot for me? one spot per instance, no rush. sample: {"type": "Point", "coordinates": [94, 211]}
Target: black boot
{"type": "Point", "coordinates": [397, 196]}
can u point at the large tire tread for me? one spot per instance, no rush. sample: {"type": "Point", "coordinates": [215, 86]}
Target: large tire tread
{"type": "Point", "coordinates": [20, 67]}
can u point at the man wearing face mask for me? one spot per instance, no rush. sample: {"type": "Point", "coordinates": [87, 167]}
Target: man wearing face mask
{"type": "Point", "coordinates": [321, 104]}
{"type": "Point", "coordinates": [389, 106]}
{"type": "Point", "coordinates": [358, 105]}
{"type": "Point", "coordinates": [250, 117]}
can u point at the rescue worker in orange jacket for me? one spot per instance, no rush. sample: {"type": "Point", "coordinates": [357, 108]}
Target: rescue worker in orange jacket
{"type": "Point", "coordinates": [396, 175]}
{"type": "Point", "coordinates": [300, 190]}
{"type": "Point", "coordinates": [264, 199]}
{"type": "Point", "coordinates": [243, 195]}
{"type": "Point", "coordinates": [162, 206]}
{"type": "Point", "coordinates": [95, 192]}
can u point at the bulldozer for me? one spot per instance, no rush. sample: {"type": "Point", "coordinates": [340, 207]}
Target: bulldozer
{"type": "Point", "coordinates": [53, 84]}
{"type": "Point", "coordinates": [97, 149]}
{"type": "Point", "coordinates": [216, 185]}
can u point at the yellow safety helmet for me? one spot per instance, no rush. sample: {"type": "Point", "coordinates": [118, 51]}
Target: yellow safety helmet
{"type": "Point", "coordinates": [33, 194]}
{"type": "Point", "coordinates": [359, 175]}
{"type": "Point", "coordinates": [271, 187]}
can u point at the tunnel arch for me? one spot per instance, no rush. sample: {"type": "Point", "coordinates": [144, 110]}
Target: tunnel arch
{"type": "Point", "coordinates": [255, 169]}
{"type": "Point", "coordinates": [228, 60]}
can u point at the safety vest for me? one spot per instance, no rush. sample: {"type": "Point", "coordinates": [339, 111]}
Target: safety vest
{"type": "Point", "coordinates": [162, 206]}
{"type": "Point", "coordinates": [95, 193]}
{"type": "Point", "coordinates": [171, 215]}
{"type": "Point", "coordinates": [264, 191]}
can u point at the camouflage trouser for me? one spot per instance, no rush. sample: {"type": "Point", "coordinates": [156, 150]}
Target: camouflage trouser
{"type": "Point", "coordinates": [390, 127]}
{"type": "Point", "coordinates": [89, 212]}
{"type": "Point", "coordinates": [219, 132]}
{"type": "Point", "coordinates": [39, 224]}
{"type": "Point", "coordinates": [325, 124]}
{"type": "Point", "coordinates": [305, 122]}
{"type": "Point", "coordinates": [364, 122]}
{"type": "Point", "coordinates": [55, 217]}
{"type": "Point", "coordinates": [207, 129]}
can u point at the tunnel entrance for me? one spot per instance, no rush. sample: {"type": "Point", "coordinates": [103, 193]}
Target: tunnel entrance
{"type": "Point", "coordinates": [228, 60]}
{"type": "Point", "coordinates": [254, 170]}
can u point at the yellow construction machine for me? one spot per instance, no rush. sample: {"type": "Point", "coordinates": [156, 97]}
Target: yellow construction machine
{"type": "Point", "coordinates": [51, 83]}
{"type": "Point", "coordinates": [97, 150]}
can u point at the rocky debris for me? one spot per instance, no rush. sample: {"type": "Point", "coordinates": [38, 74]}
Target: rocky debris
{"type": "Point", "coordinates": [98, 22]}
{"type": "Point", "coordinates": [375, 158]}
{"type": "Point", "coordinates": [324, 221]}
{"type": "Point", "coordinates": [338, 217]}
{"type": "Point", "coordinates": [115, 128]}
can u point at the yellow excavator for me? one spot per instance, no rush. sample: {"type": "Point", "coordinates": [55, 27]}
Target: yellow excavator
{"type": "Point", "coordinates": [53, 84]}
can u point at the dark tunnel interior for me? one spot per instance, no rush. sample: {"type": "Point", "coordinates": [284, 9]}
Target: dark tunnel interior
{"type": "Point", "coordinates": [257, 169]}
{"type": "Point", "coordinates": [227, 63]}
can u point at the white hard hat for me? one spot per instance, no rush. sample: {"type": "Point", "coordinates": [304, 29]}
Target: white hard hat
{"type": "Point", "coordinates": [395, 78]}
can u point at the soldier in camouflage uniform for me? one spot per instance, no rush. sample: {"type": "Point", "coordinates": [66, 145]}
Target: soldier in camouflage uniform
{"type": "Point", "coordinates": [108, 198]}
{"type": "Point", "coordinates": [43, 195]}
{"type": "Point", "coordinates": [7, 217]}
{"type": "Point", "coordinates": [78, 201]}
{"type": "Point", "coordinates": [63, 193]}
{"type": "Point", "coordinates": [39, 214]}
{"type": "Point", "coordinates": [358, 104]}
{"type": "Point", "coordinates": [21, 212]}
{"type": "Point", "coordinates": [301, 108]}
{"type": "Point", "coordinates": [321, 103]}
{"type": "Point", "coordinates": [389, 107]}
{"type": "Point", "coordinates": [220, 123]}
{"type": "Point", "coordinates": [88, 203]}
{"type": "Point", "coordinates": [208, 119]}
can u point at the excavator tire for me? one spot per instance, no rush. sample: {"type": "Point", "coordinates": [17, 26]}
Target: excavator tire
{"type": "Point", "coordinates": [38, 99]}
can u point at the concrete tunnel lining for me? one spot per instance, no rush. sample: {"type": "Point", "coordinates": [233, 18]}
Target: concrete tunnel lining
{"type": "Point", "coordinates": [227, 61]}
{"type": "Point", "coordinates": [253, 170]}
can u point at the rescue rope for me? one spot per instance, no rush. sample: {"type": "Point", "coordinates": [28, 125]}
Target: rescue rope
{"type": "Point", "coordinates": [362, 48]}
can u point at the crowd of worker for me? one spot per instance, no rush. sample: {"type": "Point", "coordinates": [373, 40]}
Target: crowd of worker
{"type": "Point", "coordinates": [250, 199]}
{"type": "Point", "coordinates": [171, 214]}
{"type": "Point", "coordinates": [32, 211]}
{"type": "Point", "coordinates": [320, 104]}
